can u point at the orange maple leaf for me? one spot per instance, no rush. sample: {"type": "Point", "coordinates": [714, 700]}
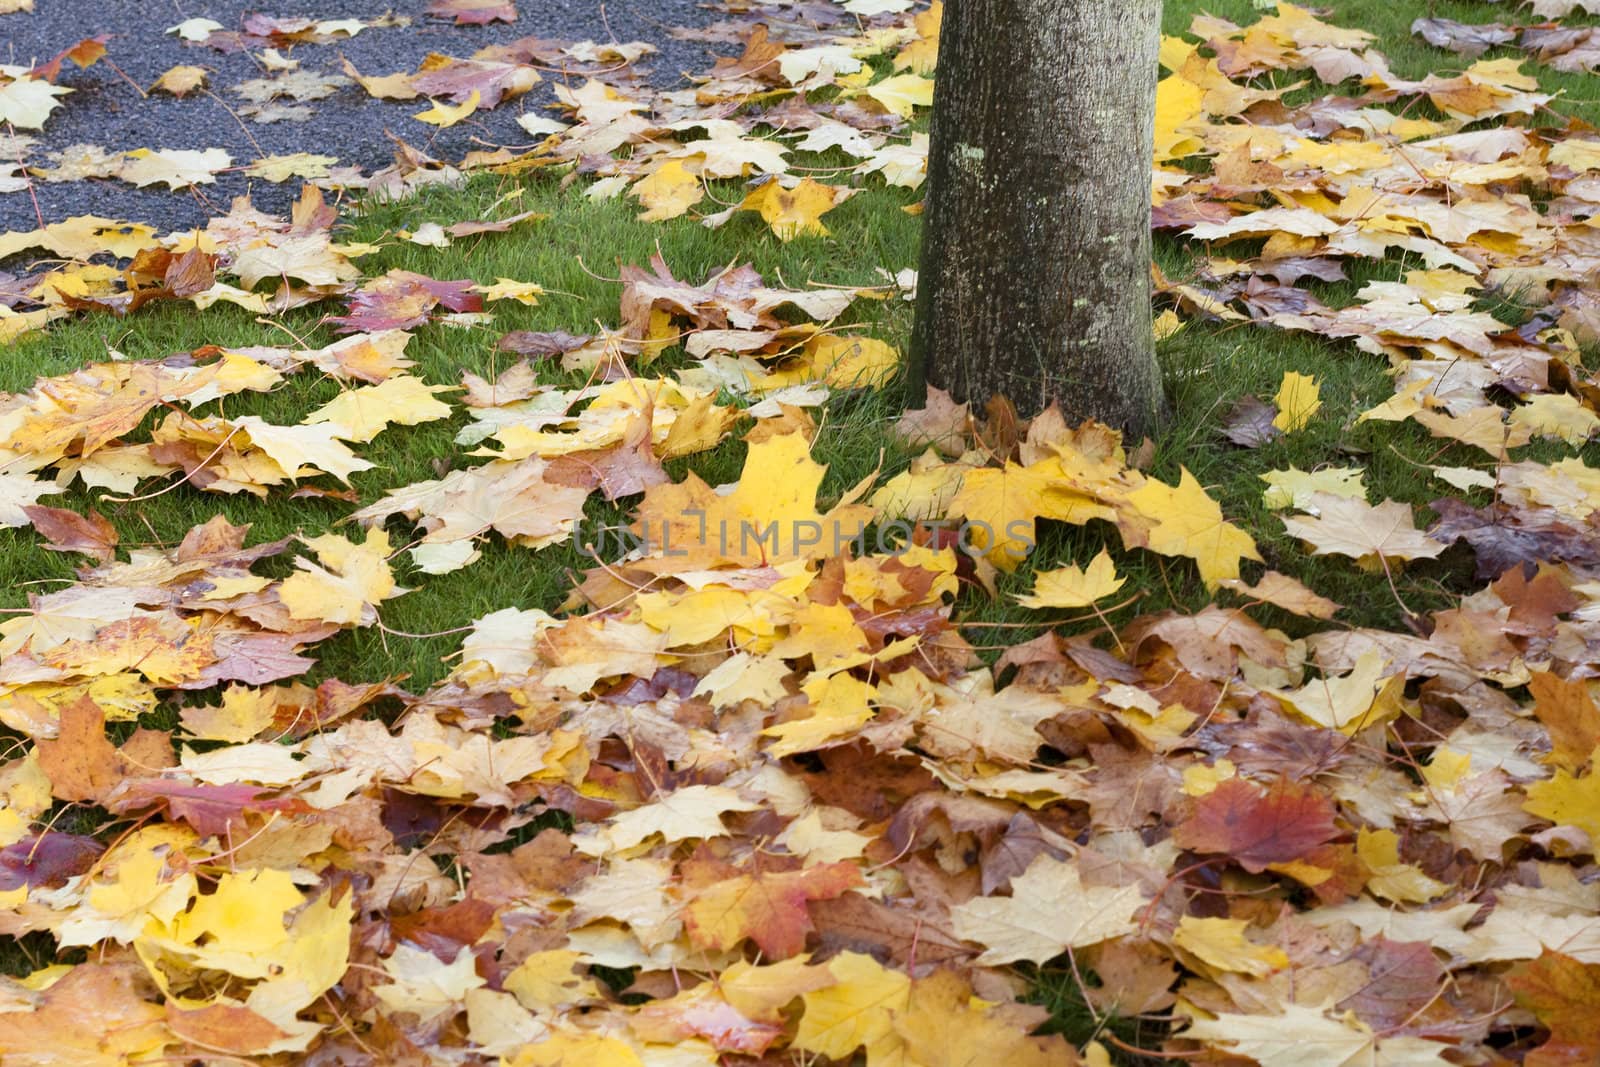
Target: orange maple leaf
{"type": "Point", "coordinates": [769, 908]}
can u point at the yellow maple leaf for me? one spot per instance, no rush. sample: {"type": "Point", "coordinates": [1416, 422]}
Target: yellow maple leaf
{"type": "Point", "coordinates": [945, 1025]}
{"type": "Point", "coordinates": [546, 980]}
{"type": "Point", "coordinates": [444, 115]}
{"type": "Point", "coordinates": [423, 985]}
{"type": "Point", "coordinates": [1567, 800]}
{"type": "Point", "coordinates": [310, 961]}
{"type": "Point", "coordinates": [1389, 878]}
{"type": "Point", "coordinates": [1074, 586]}
{"type": "Point", "coordinates": [694, 811]}
{"type": "Point", "coordinates": [180, 80]}
{"type": "Point", "coordinates": [857, 1011]}
{"type": "Point", "coordinates": [902, 93]}
{"type": "Point", "coordinates": [793, 212]}
{"type": "Point", "coordinates": [345, 585]}
{"type": "Point", "coordinates": [828, 633]}
{"type": "Point", "coordinates": [142, 887]}
{"type": "Point", "coordinates": [693, 616]}
{"type": "Point", "coordinates": [921, 56]}
{"type": "Point", "coordinates": [1485, 428]}
{"type": "Point", "coordinates": [1557, 415]}
{"type": "Point", "coordinates": [1299, 398]}
{"type": "Point", "coordinates": [840, 705]}
{"type": "Point", "coordinates": [770, 517]}
{"type": "Point", "coordinates": [244, 913]}
{"type": "Point", "coordinates": [668, 191]}
{"type": "Point", "coordinates": [525, 293]}
{"type": "Point", "coordinates": [364, 412]}
{"type": "Point", "coordinates": [1221, 945]}
{"type": "Point", "coordinates": [1189, 523]}
{"type": "Point", "coordinates": [176, 168]}
{"type": "Point", "coordinates": [743, 677]}
{"type": "Point", "coordinates": [26, 102]}
{"type": "Point", "coordinates": [1351, 527]}
{"type": "Point", "coordinates": [1001, 505]}
{"type": "Point", "coordinates": [1293, 487]}
{"type": "Point", "coordinates": [1349, 703]}
{"type": "Point", "coordinates": [841, 361]}
{"type": "Point", "coordinates": [1302, 1034]}
{"type": "Point", "coordinates": [1178, 111]}
{"type": "Point", "coordinates": [761, 991]}
{"type": "Point", "coordinates": [243, 714]}
{"type": "Point", "coordinates": [297, 451]}
{"type": "Point", "coordinates": [567, 1048]}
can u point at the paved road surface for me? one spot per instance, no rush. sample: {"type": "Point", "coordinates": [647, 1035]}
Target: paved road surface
{"type": "Point", "coordinates": [105, 110]}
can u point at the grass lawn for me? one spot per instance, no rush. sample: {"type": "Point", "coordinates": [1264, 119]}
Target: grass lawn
{"type": "Point", "coordinates": [575, 254]}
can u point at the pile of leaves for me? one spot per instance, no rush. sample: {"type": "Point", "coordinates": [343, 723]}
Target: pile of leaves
{"type": "Point", "coordinates": [752, 794]}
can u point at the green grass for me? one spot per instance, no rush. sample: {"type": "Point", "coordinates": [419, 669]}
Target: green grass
{"type": "Point", "coordinates": [576, 254]}
{"type": "Point", "coordinates": [1061, 990]}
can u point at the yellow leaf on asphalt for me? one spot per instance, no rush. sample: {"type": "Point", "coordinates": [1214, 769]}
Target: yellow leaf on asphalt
{"type": "Point", "coordinates": [181, 80]}
{"type": "Point", "coordinates": [26, 102]}
{"type": "Point", "coordinates": [446, 115]}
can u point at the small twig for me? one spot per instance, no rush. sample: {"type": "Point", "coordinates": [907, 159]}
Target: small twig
{"type": "Point", "coordinates": [37, 214]}
{"type": "Point", "coordinates": [123, 75]}
{"type": "Point", "coordinates": [190, 474]}
{"type": "Point", "coordinates": [247, 134]}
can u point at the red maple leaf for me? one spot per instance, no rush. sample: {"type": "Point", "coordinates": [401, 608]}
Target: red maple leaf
{"type": "Point", "coordinates": [1257, 828]}
{"type": "Point", "coordinates": [210, 809]}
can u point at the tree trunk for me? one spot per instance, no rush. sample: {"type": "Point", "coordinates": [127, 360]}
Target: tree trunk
{"type": "Point", "coordinates": [1035, 275]}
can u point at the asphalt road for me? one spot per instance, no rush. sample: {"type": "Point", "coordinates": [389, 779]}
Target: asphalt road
{"type": "Point", "coordinates": [106, 110]}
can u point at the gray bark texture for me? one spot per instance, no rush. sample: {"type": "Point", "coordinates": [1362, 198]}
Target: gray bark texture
{"type": "Point", "coordinates": [1035, 272]}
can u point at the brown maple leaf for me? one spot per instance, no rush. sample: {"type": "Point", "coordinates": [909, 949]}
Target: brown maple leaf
{"type": "Point", "coordinates": [67, 531]}
{"type": "Point", "coordinates": [1569, 713]}
{"type": "Point", "coordinates": [1564, 995]}
{"type": "Point", "coordinates": [82, 765]}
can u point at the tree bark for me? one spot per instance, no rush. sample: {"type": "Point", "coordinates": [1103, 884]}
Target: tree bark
{"type": "Point", "coordinates": [1035, 273]}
